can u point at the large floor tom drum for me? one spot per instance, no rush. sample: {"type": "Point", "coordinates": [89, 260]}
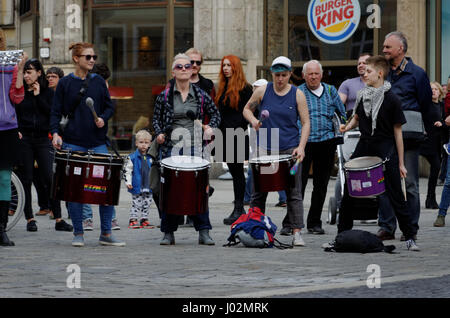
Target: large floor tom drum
{"type": "Point", "coordinates": [184, 185]}
{"type": "Point", "coordinates": [272, 173]}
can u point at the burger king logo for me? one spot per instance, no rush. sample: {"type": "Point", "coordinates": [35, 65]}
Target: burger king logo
{"type": "Point", "coordinates": [334, 21]}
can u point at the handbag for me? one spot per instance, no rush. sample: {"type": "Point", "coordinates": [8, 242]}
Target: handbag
{"type": "Point", "coordinates": [414, 128]}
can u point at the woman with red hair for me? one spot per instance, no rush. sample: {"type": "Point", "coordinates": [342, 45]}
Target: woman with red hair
{"type": "Point", "coordinates": [233, 94]}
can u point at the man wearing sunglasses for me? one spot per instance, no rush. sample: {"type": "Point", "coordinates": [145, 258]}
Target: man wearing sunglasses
{"type": "Point", "coordinates": [197, 60]}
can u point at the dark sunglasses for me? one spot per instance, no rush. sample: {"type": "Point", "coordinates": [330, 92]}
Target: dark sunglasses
{"type": "Point", "coordinates": [196, 62]}
{"type": "Point", "coordinates": [89, 57]}
{"type": "Point", "coordinates": [181, 66]}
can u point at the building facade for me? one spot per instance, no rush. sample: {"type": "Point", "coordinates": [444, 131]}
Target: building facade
{"type": "Point", "coordinates": [138, 38]}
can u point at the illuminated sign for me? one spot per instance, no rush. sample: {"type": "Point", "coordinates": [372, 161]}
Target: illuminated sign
{"type": "Point", "coordinates": [334, 21]}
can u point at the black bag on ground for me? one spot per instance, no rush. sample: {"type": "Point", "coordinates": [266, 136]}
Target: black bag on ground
{"type": "Point", "coordinates": [358, 241]}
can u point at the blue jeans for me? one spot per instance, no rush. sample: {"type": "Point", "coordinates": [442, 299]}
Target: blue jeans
{"type": "Point", "coordinates": [76, 209]}
{"type": "Point", "coordinates": [248, 189]}
{"type": "Point", "coordinates": [445, 198]}
{"type": "Point", "coordinates": [387, 219]}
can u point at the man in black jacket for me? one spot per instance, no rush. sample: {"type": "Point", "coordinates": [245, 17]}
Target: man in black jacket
{"type": "Point", "coordinates": [196, 78]}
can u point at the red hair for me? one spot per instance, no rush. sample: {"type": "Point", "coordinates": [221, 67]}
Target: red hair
{"type": "Point", "coordinates": [236, 83]}
{"type": "Point", "coordinates": [78, 48]}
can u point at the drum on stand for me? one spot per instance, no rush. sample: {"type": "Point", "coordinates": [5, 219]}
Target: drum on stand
{"type": "Point", "coordinates": [365, 177]}
{"type": "Point", "coordinates": [184, 185]}
{"type": "Point", "coordinates": [272, 173]}
{"type": "Point", "coordinates": [86, 177]}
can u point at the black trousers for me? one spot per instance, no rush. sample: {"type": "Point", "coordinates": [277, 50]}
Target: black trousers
{"type": "Point", "coordinates": [237, 172]}
{"type": "Point", "coordinates": [392, 199]}
{"type": "Point", "coordinates": [434, 159]}
{"type": "Point", "coordinates": [321, 156]}
{"type": "Point", "coordinates": [37, 148]}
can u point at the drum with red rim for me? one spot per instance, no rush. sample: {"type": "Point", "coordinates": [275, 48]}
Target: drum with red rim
{"type": "Point", "coordinates": [86, 177]}
{"type": "Point", "coordinates": [184, 185]}
{"type": "Point", "coordinates": [272, 173]}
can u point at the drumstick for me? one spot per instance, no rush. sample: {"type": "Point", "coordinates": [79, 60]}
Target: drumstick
{"type": "Point", "coordinates": [294, 168]}
{"type": "Point", "coordinates": [404, 188]}
{"type": "Point", "coordinates": [264, 115]}
{"type": "Point", "coordinates": [90, 104]}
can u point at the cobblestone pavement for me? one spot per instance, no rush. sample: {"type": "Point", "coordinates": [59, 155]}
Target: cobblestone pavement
{"type": "Point", "coordinates": [38, 266]}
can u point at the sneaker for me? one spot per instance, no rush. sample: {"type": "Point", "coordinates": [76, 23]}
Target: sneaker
{"type": "Point", "coordinates": [78, 241]}
{"type": "Point", "coordinates": [110, 241]}
{"type": "Point", "coordinates": [115, 225]}
{"type": "Point", "coordinates": [298, 240]}
{"type": "Point", "coordinates": [63, 226]}
{"type": "Point", "coordinates": [411, 245]}
{"type": "Point", "coordinates": [31, 226]}
{"type": "Point", "coordinates": [440, 221]}
{"type": "Point", "coordinates": [88, 225]}
{"type": "Point", "coordinates": [281, 204]}
{"type": "Point", "coordinates": [328, 245]}
{"type": "Point", "coordinates": [134, 224]}
{"type": "Point", "coordinates": [145, 224]}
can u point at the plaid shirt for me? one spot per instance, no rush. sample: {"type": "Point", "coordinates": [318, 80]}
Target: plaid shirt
{"type": "Point", "coordinates": [321, 112]}
{"type": "Point", "coordinates": [164, 113]}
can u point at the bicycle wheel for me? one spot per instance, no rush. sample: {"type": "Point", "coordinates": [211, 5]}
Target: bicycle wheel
{"type": "Point", "coordinates": [17, 202]}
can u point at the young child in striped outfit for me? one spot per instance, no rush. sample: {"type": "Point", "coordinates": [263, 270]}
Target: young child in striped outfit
{"type": "Point", "coordinates": [138, 181]}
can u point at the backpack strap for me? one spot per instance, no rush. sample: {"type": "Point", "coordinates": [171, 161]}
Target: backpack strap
{"type": "Point", "coordinates": [81, 94]}
{"type": "Point", "coordinates": [281, 245]}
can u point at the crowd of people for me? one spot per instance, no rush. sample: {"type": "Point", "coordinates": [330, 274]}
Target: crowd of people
{"type": "Point", "coordinates": [400, 116]}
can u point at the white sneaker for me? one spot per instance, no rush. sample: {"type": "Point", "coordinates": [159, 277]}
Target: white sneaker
{"type": "Point", "coordinates": [411, 246]}
{"type": "Point", "coordinates": [88, 225]}
{"type": "Point", "coordinates": [298, 240]}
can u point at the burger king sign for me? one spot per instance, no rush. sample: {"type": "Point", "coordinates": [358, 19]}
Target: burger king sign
{"type": "Point", "coordinates": [334, 21]}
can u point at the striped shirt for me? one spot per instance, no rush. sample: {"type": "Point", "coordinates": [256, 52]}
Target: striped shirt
{"type": "Point", "coordinates": [321, 112]}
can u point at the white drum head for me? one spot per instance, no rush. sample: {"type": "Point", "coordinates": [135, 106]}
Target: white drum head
{"type": "Point", "coordinates": [185, 163]}
{"type": "Point", "coordinates": [363, 163]}
{"type": "Point", "coordinates": [271, 159]}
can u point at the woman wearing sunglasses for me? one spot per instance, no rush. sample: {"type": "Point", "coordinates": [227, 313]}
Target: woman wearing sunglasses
{"type": "Point", "coordinates": [33, 116]}
{"type": "Point", "coordinates": [83, 132]}
{"type": "Point", "coordinates": [172, 109]}
{"type": "Point", "coordinates": [233, 94]}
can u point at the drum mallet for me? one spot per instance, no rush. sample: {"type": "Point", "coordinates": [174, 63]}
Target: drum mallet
{"type": "Point", "coordinates": [90, 104]}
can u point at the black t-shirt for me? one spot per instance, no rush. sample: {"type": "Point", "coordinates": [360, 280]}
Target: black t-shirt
{"type": "Point", "coordinates": [389, 115]}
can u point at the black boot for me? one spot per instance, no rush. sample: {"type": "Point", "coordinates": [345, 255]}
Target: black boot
{"type": "Point", "coordinates": [4, 240]}
{"type": "Point", "coordinates": [237, 212]}
{"type": "Point", "coordinates": [430, 202]}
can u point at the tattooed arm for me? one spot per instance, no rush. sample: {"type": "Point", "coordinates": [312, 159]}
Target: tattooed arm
{"type": "Point", "coordinates": [252, 105]}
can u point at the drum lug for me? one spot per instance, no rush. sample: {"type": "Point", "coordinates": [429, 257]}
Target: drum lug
{"type": "Point", "coordinates": [176, 173]}
{"type": "Point", "coordinates": [54, 167]}
{"type": "Point", "coordinates": [67, 169]}
{"type": "Point", "coordinates": [196, 174]}
{"type": "Point", "coordinates": [87, 172]}
{"type": "Point", "coordinates": [109, 174]}
{"type": "Point", "coordinates": [368, 174]}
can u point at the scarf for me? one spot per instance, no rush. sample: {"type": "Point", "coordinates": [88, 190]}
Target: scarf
{"type": "Point", "coordinates": [372, 99]}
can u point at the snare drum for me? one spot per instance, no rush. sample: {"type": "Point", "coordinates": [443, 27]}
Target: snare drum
{"type": "Point", "coordinates": [365, 177]}
{"type": "Point", "coordinates": [272, 173]}
{"type": "Point", "coordinates": [184, 185]}
{"type": "Point", "coordinates": [87, 178]}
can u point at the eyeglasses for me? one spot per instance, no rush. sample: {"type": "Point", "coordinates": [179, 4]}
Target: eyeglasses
{"type": "Point", "coordinates": [89, 57]}
{"type": "Point", "coordinates": [181, 66]}
{"type": "Point", "coordinates": [196, 62]}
